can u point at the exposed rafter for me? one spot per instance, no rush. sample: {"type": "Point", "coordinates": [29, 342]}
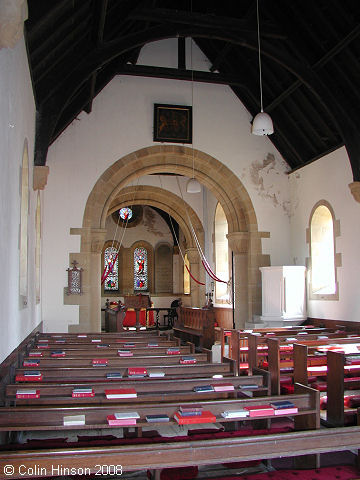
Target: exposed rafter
{"type": "Point", "coordinates": [310, 60]}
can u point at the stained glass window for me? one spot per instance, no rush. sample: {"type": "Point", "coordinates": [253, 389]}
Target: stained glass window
{"type": "Point", "coordinates": [112, 269]}
{"type": "Point", "coordinates": [125, 213]}
{"type": "Point", "coordinates": [140, 269]}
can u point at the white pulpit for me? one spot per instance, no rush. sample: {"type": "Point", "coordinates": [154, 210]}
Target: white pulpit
{"type": "Point", "coordinates": [283, 295]}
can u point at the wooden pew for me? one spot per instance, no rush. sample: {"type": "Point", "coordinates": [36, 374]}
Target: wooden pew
{"type": "Point", "coordinates": [89, 374]}
{"type": "Point", "coordinates": [50, 418]}
{"type": "Point", "coordinates": [148, 390]}
{"type": "Point", "coordinates": [341, 380]}
{"type": "Point", "coordinates": [132, 457]}
{"type": "Point", "coordinates": [114, 360]}
{"type": "Point", "coordinates": [196, 325]}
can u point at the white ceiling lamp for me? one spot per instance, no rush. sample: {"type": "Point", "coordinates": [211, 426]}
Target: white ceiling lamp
{"type": "Point", "coordinates": [192, 186]}
{"type": "Point", "coordinates": [262, 123]}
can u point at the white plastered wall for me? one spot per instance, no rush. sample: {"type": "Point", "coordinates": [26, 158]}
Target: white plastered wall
{"type": "Point", "coordinates": [121, 122]}
{"type": "Point", "coordinates": [328, 179]}
{"type": "Point", "coordinates": [17, 123]}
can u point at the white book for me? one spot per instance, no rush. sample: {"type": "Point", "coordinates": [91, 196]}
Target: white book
{"type": "Point", "coordinates": [94, 340]}
{"type": "Point", "coordinates": [156, 374]}
{"type": "Point", "coordinates": [25, 392]}
{"type": "Point", "coordinates": [74, 420]}
{"type": "Point", "coordinates": [82, 390]}
{"type": "Point", "coordinates": [235, 414]}
{"type": "Point", "coordinates": [121, 395]}
{"type": "Point", "coordinates": [126, 415]}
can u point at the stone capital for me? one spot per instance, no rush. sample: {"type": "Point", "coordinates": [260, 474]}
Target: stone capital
{"type": "Point", "coordinates": [355, 190]}
{"type": "Point", "coordinates": [238, 242]}
{"type": "Point", "coordinates": [13, 14]}
{"type": "Point", "coordinates": [40, 176]}
{"type": "Point", "coordinates": [193, 255]}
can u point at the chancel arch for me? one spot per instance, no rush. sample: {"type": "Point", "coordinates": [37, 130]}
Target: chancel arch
{"type": "Point", "coordinates": [180, 211]}
{"type": "Point", "coordinates": [244, 237]}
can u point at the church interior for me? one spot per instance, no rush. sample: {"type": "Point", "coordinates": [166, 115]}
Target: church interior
{"type": "Point", "coordinates": [180, 186]}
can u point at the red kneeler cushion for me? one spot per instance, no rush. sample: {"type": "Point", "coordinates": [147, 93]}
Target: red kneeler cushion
{"type": "Point", "coordinates": [284, 380]}
{"type": "Point", "coordinates": [343, 472]}
{"type": "Point", "coordinates": [321, 386]}
{"type": "Point", "coordinates": [353, 401]}
{"type": "Point", "coordinates": [286, 389]}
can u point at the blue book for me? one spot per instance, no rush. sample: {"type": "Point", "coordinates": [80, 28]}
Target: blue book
{"type": "Point", "coordinates": [157, 418]}
{"type": "Point", "coordinates": [204, 388]}
{"type": "Point", "coordinates": [114, 375]}
{"type": "Point", "coordinates": [282, 404]}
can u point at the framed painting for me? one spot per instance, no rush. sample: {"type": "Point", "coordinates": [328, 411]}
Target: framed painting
{"type": "Point", "coordinates": [172, 123]}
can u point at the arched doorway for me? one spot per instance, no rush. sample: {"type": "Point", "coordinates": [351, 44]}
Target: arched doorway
{"type": "Point", "coordinates": [244, 237]}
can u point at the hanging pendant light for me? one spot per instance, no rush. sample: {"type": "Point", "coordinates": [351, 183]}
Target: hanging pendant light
{"type": "Point", "coordinates": [193, 186]}
{"type": "Point", "coordinates": [262, 123]}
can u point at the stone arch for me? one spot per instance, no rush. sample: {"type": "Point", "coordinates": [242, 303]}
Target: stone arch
{"type": "Point", "coordinates": [214, 175]}
{"type": "Point", "coordinates": [244, 237]}
{"type": "Point", "coordinates": [166, 201]}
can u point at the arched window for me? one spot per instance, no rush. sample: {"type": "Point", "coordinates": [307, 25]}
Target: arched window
{"type": "Point", "coordinates": [111, 263]}
{"type": "Point", "coordinates": [24, 212]}
{"type": "Point", "coordinates": [186, 275]}
{"type": "Point", "coordinates": [221, 255]}
{"type": "Point", "coordinates": [323, 230]}
{"type": "Point", "coordinates": [140, 268]}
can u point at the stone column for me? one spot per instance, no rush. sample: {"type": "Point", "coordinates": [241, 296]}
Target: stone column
{"type": "Point", "coordinates": [239, 244]}
{"type": "Point", "coordinates": [92, 243]}
{"type": "Point", "coordinates": [194, 260]}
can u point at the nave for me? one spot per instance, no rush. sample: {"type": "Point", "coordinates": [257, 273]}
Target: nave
{"type": "Point", "coordinates": [208, 419]}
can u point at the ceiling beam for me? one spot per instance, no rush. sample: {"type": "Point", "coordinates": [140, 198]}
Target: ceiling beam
{"type": "Point", "coordinates": [50, 17]}
{"type": "Point", "coordinates": [316, 66]}
{"type": "Point", "coordinates": [179, 74]}
{"type": "Point", "coordinates": [100, 8]}
{"type": "Point", "coordinates": [163, 15]}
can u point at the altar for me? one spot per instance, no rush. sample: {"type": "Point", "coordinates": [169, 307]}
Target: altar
{"type": "Point", "coordinates": [133, 312]}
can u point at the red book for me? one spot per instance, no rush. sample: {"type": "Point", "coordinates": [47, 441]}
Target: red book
{"type": "Point", "coordinates": [205, 417]}
{"type": "Point", "coordinates": [100, 362]}
{"type": "Point", "coordinates": [173, 352]}
{"type": "Point", "coordinates": [187, 362]}
{"type": "Point", "coordinates": [137, 371]}
{"type": "Point", "coordinates": [28, 378]}
{"type": "Point", "coordinates": [43, 346]}
{"type": "Point", "coordinates": [120, 421]}
{"type": "Point", "coordinates": [30, 363]}
{"type": "Point", "coordinates": [121, 393]}
{"type": "Point", "coordinates": [28, 394]}
{"type": "Point", "coordinates": [260, 410]}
